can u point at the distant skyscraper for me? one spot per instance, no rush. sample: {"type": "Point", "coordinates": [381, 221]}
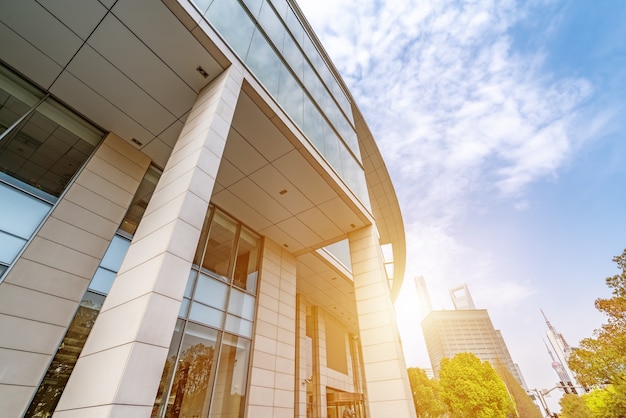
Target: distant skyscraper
{"type": "Point", "coordinates": [562, 350]}
{"type": "Point", "coordinates": [448, 333]}
{"type": "Point", "coordinates": [423, 297]}
{"type": "Point", "coordinates": [461, 298]}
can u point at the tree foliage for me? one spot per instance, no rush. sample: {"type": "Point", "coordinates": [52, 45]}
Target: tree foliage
{"type": "Point", "coordinates": [525, 407]}
{"type": "Point", "coordinates": [425, 394]}
{"type": "Point", "coordinates": [573, 406]}
{"type": "Point", "coordinates": [601, 360]}
{"type": "Point", "coordinates": [608, 402]}
{"type": "Point", "coordinates": [471, 389]}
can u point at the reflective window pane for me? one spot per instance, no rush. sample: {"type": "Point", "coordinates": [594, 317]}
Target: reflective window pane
{"type": "Point", "coordinates": [17, 97]}
{"type": "Point", "coordinates": [233, 23]}
{"type": "Point", "coordinates": [168, 371]}
{"type": "Point", "coordinates": [230, 386]}
{"type": "Point", "coordinates": [264, 63]}
{"type": "Point", "coordinates": [10, 246]}
{"type": "Point", "coordinates": [140, 200]}
{"type": "Point", "coordinates": [211, 292]}
{"type": "Point", "coordinates": [20, 214]}
{"type": "Point", "coordinates": [190, 390]}
{"type": "Point", "coordinates": [206, 315]}
{"type": "Point", "coordinates": [272, 25]}
{"type": "Point", "coordinates": [291, 96]}
{"type": "Point", "coordinates": [241, 304]}
{"type": "Point", "coordinates": [102, 280]}
{"type": "Point", "coordinates": [238, 326]}
{"type": "Point", "coordinates": [246, 264]}
{"type": "Point", "coordinates": [115, 253]}
{"type": "Point", "coordinates": [219, 248]}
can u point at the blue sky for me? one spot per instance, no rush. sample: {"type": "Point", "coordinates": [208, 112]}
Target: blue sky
{"type": "Point", "coordinates": [503, 125]}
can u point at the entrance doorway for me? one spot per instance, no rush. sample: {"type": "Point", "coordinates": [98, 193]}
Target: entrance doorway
{"type": "Point", "coordinates": [337, 402]}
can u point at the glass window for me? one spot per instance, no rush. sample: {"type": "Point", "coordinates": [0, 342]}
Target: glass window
{"type": "Point", "coordinates": [254, 6]}
{"type": "Point", "coordinates": [140, 200]}
{"type": "Point", "coordinates": [115, 254]}
{"type": "Point", "coordinates": [55, 379]}
{"type": "Point", "coordinates": [21, 213]}
{"type": "Point", "coordinates": [102, 281]}
{"type": "Point", "coordinates": [293, 56]}
{"type": "Point", "coordinates": [190, 393]}
{"type": "Point", "coordinates": [291, 96]}
{"type": "Point", "coordinates": [229, 394]}
{"type": "Point", "coordinates": [246, 265]}
{"type": "Point", "coordinates": [219, 247]}
{"type": "Point", "coordinates": [206, 315]}
{"type": "Point", "coordinates": [10, 246]}
{"type": "Point", "coordinates": [313, 125]}
{"type": "Point", "coordinates": [211, 292]}
{"type": "Point", "coordinates": [264, 63]}
{"type": "Point", "coordinates": [168, 371]}
{"type": "Point", "coordinates": [239, 326]}
{"type": "Point", "coordinates": [331, 148]}
{"type": "Point", "coordinates": [17, 97]}
{"type": "Point", "coordinates": [241, 304]}
{"type": "Point", "coordinates": [272, 26]}
{"type": "Point", "coordinates": [230, 19]}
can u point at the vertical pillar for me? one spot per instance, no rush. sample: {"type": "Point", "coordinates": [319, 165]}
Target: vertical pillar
{"type": "Point", "coordinates": [273, 361]}
{"type": "Point", "coordinates": [386, 380]}
{"type": "Point", "coordinates": [118, 371]}
{"type": "Point", "coordinates": [40, 294]}
{"type": "Point", "coordinates": [300, 384]}
{"type": "Point", "coordinates": [320, 377]}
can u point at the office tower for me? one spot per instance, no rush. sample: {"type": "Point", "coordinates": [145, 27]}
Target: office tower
{"type": "Point", "coordinates": [461, 298]}
{"type": "Point", "coordinates": [562, 351]}
{"type": "Point", "coordinates": [423, 297]}
{"type": "Point", "coordinates": [193, 211]}
{"type": "Point", "coordinates": [448, 333]}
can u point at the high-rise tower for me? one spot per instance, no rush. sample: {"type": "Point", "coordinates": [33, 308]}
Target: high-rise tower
{"type": "Point", "coordinates": [562, 350]}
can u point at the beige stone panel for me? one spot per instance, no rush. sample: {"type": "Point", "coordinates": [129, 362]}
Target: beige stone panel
{"type": "Point", "coordinates": [284, 381]}
{"type": "Point", "coordinates": [285, 349]}
{"type": "Point", "coordinates": [286, 322]}
{"type": "Point", "coordinates": [286, 336]}
{"type": "Point", "coordinates": [187, 207]}
{"type": "Point", "coordinates": [37, 306]}
{"type": "Point", "coordinates": [266, 329]}
{"type": "Point", "coordinates": [95, 203]}
{"type": "Point", "coordinates": [376, 319]}
{"type": "Point", "coordinates": [114, 174]}
{"type": "Point", "coordinates": [398, 408]}
{"type": "Point", "coordinates": [264, 345]}
{"type": "Point", "coordinates": [371, 306]}
{"type": "Point", "coordinates": [70, 236]}
{"type": "Point", "coordinates": [382, 352]}
{"type": "Point", "coordinates": [29, 274]}
{"type": "Point", "coordinates": [105, 188]}
{"type": "Point", "coordinates": [161, 274]}
{"type": "Point", "coordinates": [285, 365]}
{"type": "Point", "coordinates": [87, 391]}
{"type": "Point", "coordinates": [371, 291]}
{"type": "Point", "coordinates": [59, 257]}
{"type": "Point", "coordinates": [260, 411]}
{"type": "Point", "coordinates": [21, 367]}
{"type": "Point", "coordinates": [268, 302]}
{"type": "Point", "coordinates": [383, 370]}
{"type": "Point", "coordinates": [107, 411]}
{"type": "Point", "coordinates": [30, 335]}
{"type": "Point", "coordinates": [269, 289]}
{"type": "Point", "coordinates": [371, 267]}
{"type": "Point", "coordinates": [71, 213]}
{"type": "Point", "coordinates": [377, 336]}
{"type": "Point", "coordinates": [261, 396]}
{"type": "Point", "coordinates": [262, 377]}
{"type": "Point", "coordinates": [283, 398]}
{"type": "Point", "coordinates": [263, 360]}
{"type": "Point", "coordinates": [267, 315]}
{"type": "Point", "coordinates": [143, 318]}
{"type": "Point", "coordinates": [389, 390]}
{"type": "Point", "coordinates": [13, 398]}
{"type": "Point", "coordinates": [122, 154]}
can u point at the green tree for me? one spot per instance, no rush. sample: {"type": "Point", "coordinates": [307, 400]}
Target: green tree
{"type": "Point", "coordinates": [608, 402]}
{"type": "Point", "coordinates": [601, 360]}
{"type": "Point", "coordinates": [525, 407]}
{"type": "Point", "coordinates": [472, 389]}
{"type": "Point", "coordinates": [572, 406]}
{"type": "Point", "coordinates": [425, 394]}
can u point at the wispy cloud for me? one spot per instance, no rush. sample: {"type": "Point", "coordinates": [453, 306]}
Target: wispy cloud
{"type": "Point", "coordinates": [459, 114]}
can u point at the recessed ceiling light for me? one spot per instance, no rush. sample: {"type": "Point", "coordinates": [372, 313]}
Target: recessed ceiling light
{"type": "Point", "coordinates": [202, 72]}
{"type": "Point", "coordinates": [136, 141]}
{"type": "Point", "coordinates": [283, 191]}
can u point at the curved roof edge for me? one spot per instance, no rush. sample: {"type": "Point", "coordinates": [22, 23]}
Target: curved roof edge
{"type": "Point", "coordinates": [385, 206]}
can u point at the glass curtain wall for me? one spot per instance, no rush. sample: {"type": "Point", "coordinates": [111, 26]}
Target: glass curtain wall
{"type": "Point", "coordinates": [51, 388]}
{"type": "Point", "coordinates": [206, 371]}
{"type": "Point", "coordinates": [270, 39]}
{"type": "Point", "coordinates": [42, 146]}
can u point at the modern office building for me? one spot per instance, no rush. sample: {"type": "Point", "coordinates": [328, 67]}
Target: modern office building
{"type": "Point", "coordinates": [448, 333]}
{"type": "Point", "coordinates": [195, 220]}
{"type": "Point", "coordinates": [562, 350]}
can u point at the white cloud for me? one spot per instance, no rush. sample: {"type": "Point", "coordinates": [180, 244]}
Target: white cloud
{"type": "Point", "coordinates": [458, 114]}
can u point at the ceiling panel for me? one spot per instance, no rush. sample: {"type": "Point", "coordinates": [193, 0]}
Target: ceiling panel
{"type": "Point", "coordinates": [300, 232]}
{"type": "Point", "coordinates": [240, 209]}
{"type": "Point", "coordinates": [142, 66]}
{"type": "Point", "coordinates": [95, 107]}
{"type": "Point", "coordinates": [176, 45]}
{"type": "Point", "coordinates": [326, 229]}
{"type": "Point", "coordinates": [282, 238]}
{"type": "Point", "coordinates": [158, 151]}
{"type": "Point", "coordinates": [277, 186]}
{"type": "Point", "coordinates": [114, 86]}
{"type": "Point", "coordinates": [81, 16]}
{"type": "Point", "coordinates": [341, 215]}
{"type": "Point", "coordinates": [248, 191]}
{"type": "Point", "coordinates": [242, 154]}
{"type": "Point", "coordinates": [27, 59]}
{"type": "Point", "coordinates": [293, 166]}
{"type": "Point", "coordinates": [27, 18]}
{"type": "Point", "coordinates": [228, 174]}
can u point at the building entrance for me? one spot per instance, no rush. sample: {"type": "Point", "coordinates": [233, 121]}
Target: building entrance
{"type": "Point", "coordinates": [345, 405]}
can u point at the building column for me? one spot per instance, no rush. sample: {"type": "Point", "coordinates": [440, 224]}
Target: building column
{"type": "Point", "coordinates": [388, 393]}
{"type": "Point", "coordinates": [272, 376]}
{"type": "Point", "coordinates": [119, 368]}
{"type": "Point", "coordinates": [41, 293]}
{"type": "Point", "coordinates": [320, 377]}
{"type": "Point", "coordinates": [301, 377]}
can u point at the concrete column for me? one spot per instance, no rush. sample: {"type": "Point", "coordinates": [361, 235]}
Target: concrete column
{"type": "Point", "coordinates": [388, 392]}
{"type": "Point", "coordinates": [40, 294]}
{"type": "Point", "coordinates": [119, 369]}
{"type": "Point", "coordinates": [271, 392]}
{"type": "Point", "coordinates": [320, 376]}
{"type": "Point", "coordinates": [300, 384]}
